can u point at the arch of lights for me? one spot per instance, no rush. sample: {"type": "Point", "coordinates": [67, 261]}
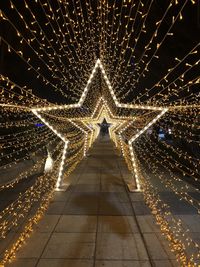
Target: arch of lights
{"type": "Point", "coordinates": [80, 103]}
{"type": "Point", "coordinates": [97, 58]}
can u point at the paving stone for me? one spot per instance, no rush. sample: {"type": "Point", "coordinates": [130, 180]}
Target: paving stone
{"type": "Point", "coordinates": [112, 188]}
{"type": "Point", "coordinates": [70, 246]}
{"type": "Point", "coordinates": [121, 196]}
{"type": "Point", "coordinates": [47, 224]}
{"type": "Point", "coordinates": [111, 179]}
{"type": "Point", "coordinates": [77, 224]}
{"type": "Point", "coordinates": [136, 196]}
{"type": "Point", "coordinates": [124, 263]}
{"type": "Point", "coordinates": [120, 246]}
{"type": "Point", "coordinates": [22, 263]}
{"type": "Point", "coordinates": [117, 224]}
{"type": "Point", "coordinates": [34, 246]}
{"type": "Point", "coordinates": [64, 263]}
{"type": "Point", "coordinates": [82, 204]}
{"type": "Point", "coordinates": [164, 263]}
{"type": "Point", "coordinates": [87, 188]}
{"type": "Point", "coordinates": [92, 170]}
{"type": "Point", "coordinates": [89, 181]}
{"type": "Point", "coordinates": [148, 224]}
{"type": "Point", "coordinates": [115, 208]}
{"type": "Point", "coordinates": [113, 197]}
{"type": "Point", "coordinates": [156, 248]}
{"type": "Point", "coordinates": [140, 208]}
{"type": "Point", "coordinates": [61, 196]}
{"type": "Point", "coordinates": [56, 207]}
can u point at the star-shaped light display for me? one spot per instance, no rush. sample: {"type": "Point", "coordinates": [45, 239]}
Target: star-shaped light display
{"type": "Point", "coordinates": [121, 120]}
{"type": "Point", "coordinates": [137, 85]}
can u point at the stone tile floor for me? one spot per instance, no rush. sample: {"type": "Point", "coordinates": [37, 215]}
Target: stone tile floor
{"type": "Point", "coordinates": [96, 222]}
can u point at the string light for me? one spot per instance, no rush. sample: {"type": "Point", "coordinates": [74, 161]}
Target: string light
{"type": "Point", "coordinates": [99, 61]}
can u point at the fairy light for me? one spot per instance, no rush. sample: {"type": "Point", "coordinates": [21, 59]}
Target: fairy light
{"type": "Point", "coordinates": [59, 179]}
{"type": "Point", "coordinates": [86, 145]}
{"type": "Point", "coordinates": [148, 126]}
{"type": "Point", "coordinates": [61, 56]}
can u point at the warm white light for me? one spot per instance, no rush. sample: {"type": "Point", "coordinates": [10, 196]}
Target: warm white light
{"type": "Point", "coordinates": [85, 91]}
{"type": "Point", "coordinates": [48, 164]}
{"type": "Point", "coordinates": [58, 183]}
{"type": "Point", "coordinates": [80, 103]}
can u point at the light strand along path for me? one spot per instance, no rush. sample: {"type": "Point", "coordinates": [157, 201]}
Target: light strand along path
{"type": "Point", "coordinates": [97, 222]}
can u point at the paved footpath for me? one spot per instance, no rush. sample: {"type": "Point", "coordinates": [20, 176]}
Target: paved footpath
{"type": "Point", "coordinates": [96, 222]}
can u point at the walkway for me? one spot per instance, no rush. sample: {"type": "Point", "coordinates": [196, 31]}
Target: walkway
{"type": "Point", "coordinates": [96, 222]}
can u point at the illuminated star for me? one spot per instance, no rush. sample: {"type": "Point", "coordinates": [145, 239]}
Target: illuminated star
{"type": "Point", "coordinates": [121, 120]}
